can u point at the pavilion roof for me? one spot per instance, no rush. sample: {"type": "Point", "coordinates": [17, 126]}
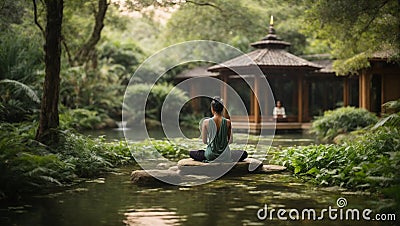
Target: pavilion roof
{"type": "Point", "coordinates": [200, 71]}
{"type": "Point", "coordinates": [270, 52]}
{"type": "Point", "coordinates": [266, 58]}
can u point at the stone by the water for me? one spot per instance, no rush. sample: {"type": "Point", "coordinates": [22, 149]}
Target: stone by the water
{"type": "Point", "coordinates": [189, 170]}
{"type": "Point", "coordinates": [173, 168]}
{"type": "Point", "coordinates": [191, 167]}
{"type": "Point", "coordinates": [272, 169]}
{"type": "Point", "coordinates": [143, 177]}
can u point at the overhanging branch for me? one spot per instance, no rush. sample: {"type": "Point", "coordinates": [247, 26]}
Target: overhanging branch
{"type": "Point", "coordinates": [204, 4]}
{"type": "Point", "coordinates": [36, 18]}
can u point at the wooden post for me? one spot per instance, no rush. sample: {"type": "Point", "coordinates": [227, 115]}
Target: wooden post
{"type": "Point", "coordinates": [306, 100]}
{"type": "Point", "coordinates": [300, 98]}
{"type": "Point", "coordinates": [383, 96]}
{"type": "Point", "coordinates": [365, 90]}
{"type": "Point", "coordinates": [256, 108]}
{"type": "Point", "coordinates": [346, 93]}
{"type": "Point", "coordinates": [224, 94]}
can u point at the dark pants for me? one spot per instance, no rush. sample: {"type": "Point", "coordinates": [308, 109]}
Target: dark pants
{"type": "Point", "coordinates": [236, 155]}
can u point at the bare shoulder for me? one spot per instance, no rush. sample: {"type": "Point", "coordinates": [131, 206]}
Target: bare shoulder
{"type": "Point", "coordinates": [206, 122]}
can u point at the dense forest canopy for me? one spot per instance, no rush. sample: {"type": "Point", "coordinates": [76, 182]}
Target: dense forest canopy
{"type": "Point", "coordinates": [103, 42]}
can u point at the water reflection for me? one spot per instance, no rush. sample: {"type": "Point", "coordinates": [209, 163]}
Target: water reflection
{"type": "Point", "coordinates": [228, 201]}
{"type": "Point", "coordinates": [151, 217]}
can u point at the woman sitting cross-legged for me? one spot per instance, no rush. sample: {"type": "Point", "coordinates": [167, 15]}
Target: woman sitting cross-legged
{"type": "Point", "coordinates": [216, 132]}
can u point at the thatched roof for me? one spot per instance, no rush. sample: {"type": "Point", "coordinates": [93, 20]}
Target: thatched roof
{"type": "Point", "coordinates": [270, 52]}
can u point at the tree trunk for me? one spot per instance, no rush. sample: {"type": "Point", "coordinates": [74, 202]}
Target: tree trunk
{"type": "Point", "coordinates": [49, 120]}
{"type": "Point", "coordinates": [87, 50]}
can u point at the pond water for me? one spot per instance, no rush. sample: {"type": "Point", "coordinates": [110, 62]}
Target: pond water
{"type": "Point", "coordinates": [113, 200]}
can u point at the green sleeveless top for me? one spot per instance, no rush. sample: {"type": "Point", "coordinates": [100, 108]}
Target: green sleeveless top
{"type": "Point", "coordinates": [217, 142]}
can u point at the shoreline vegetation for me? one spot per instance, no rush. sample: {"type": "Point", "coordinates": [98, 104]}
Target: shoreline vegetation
{"type": "Point", "coordinates": [365, 159]}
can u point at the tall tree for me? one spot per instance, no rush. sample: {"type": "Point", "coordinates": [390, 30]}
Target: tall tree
{"type": "Point", "coordinates": [49, 120]}
{"type": "Point", "coordinates": [80, 51]}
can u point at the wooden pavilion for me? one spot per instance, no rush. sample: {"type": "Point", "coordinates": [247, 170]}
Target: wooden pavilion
{"type": "Point", "coordinates": [380, 82]}
{"type": "Point", "coordinates": [305, 87]}
{"type": "Point", "coordinates": [290, 78]}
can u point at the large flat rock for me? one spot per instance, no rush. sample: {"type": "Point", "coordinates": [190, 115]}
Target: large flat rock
{"type": "Point", "coordinates": [191, 167]}
{"type": "Point", "coordinates": [272, 169]}
{"type": "Point", "coordinates": [149, 177]}
{"type": "Point", "coordinates": [189, 171]}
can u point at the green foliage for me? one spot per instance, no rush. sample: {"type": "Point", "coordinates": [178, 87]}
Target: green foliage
{"type": "Point", "coordinates": [364, 159]}
{"type": "Point", "coordinates": [26, 164]}
{"type": "Point", "coordinates": [20, 57]}
{"type": "Point", "coordinates": [238, 23]}
{"type": "Point", "coordinates": [91, 157]}
{"type": "Point", "coordinates": [167, 148]}
{"type": "Point", "coordinates": [97, 89]}
{"type": "Point", "coordinates": [29, 166]}
{"type": "Point", "coordinates": [81, 119]}
{"type": "Point", "coordinates": [369, 160]}
{"type": "Point", "coordinates": [11, 12]}
{"type": "Point", "coordinates": [392, 106]}
{"type": "Point", "coordinates": [341, 120]}
{"type": "Point", "coordinates": [154, 102]}
{"type": "Point", "coordinates": [24, 88]}
{"type": "Point", "coordinates": [354, 30]}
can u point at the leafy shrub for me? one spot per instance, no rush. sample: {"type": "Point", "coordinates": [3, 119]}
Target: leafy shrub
{"type": "Point", "coordinates": [80, 119]}
{"type": "Point", "coordinates": [97, 89]}
{"type": "Point", "coordinates": [20, 58]}
{"type": "Point", "coordinates": [154, 102]}
{"type": "Point", "coordinates": [341, 120]}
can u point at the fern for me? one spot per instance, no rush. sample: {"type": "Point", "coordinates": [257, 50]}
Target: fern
{"type": "Point", "coordinates": [27, 90]}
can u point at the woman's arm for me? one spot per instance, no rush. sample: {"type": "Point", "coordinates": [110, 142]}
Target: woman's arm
{"type": "Point", "coordinates": [204, 131]}
{"type": "Point", "coordinates": [230, 134]}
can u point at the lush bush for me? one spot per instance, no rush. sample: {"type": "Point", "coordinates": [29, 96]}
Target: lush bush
{"type": "Point", "coordinates": [154, 102]}
{"type": "Point", "coordinates": [97, 89]}
{"type": "Point", "coordinates": [341, 120]}
{"type": "Point", "coordinates": [20, 58]}
{"type": "Point", "coordinates": [28, 166]}
{"type": "Point", "coordinates": [81, 118]}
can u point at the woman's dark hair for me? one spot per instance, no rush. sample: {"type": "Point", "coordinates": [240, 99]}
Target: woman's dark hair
{"type": "Point", "coordinates": [217, 105]}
